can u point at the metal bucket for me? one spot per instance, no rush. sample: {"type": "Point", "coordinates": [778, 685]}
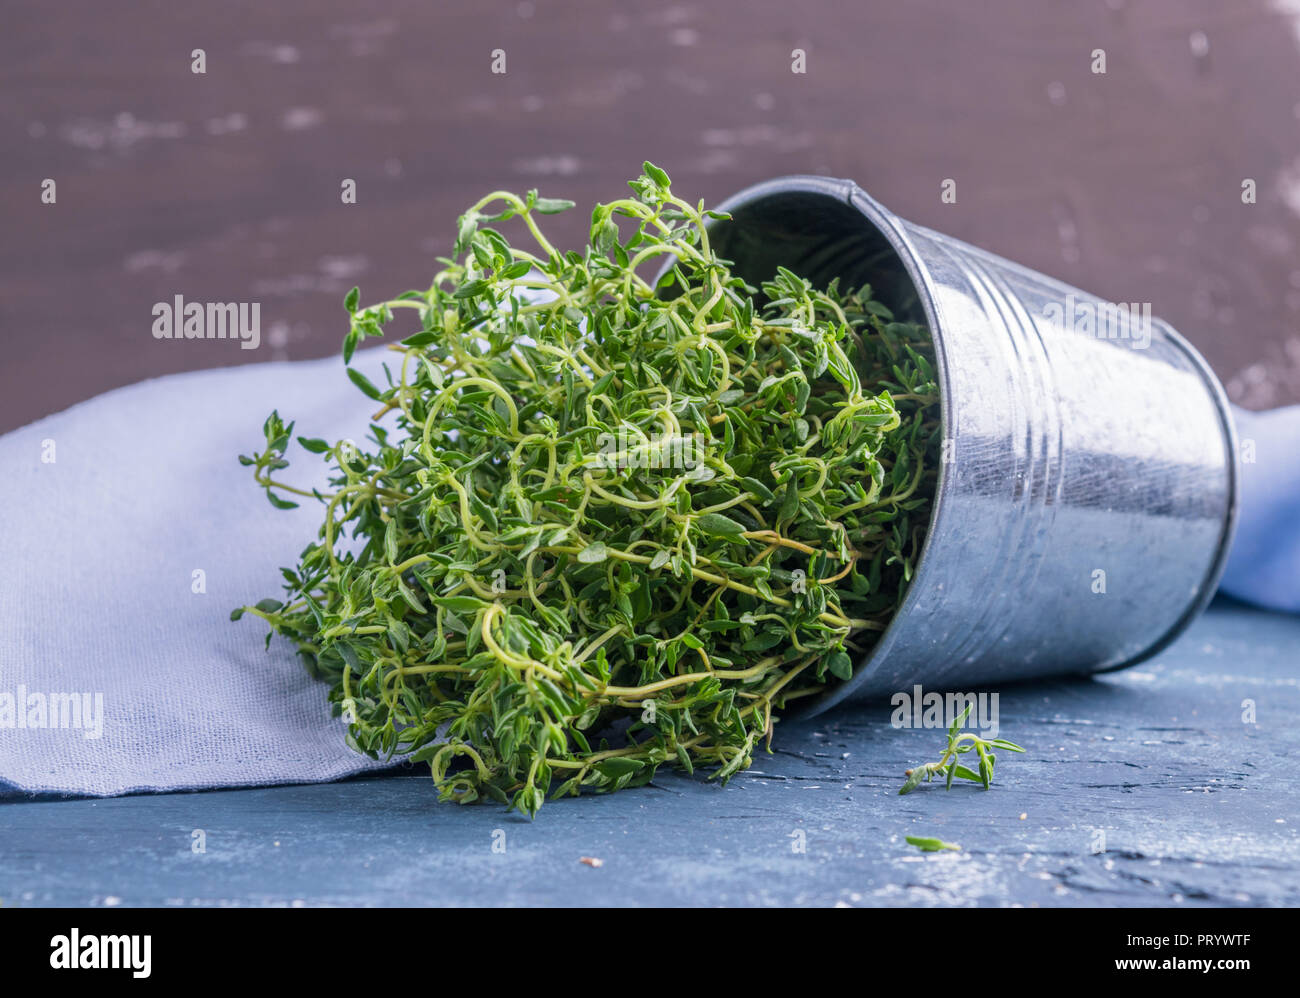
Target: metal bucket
{"type": "Point", "coordinates": [1086, 503]}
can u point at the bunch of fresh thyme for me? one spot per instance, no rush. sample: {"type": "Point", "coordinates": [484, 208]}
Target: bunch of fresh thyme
{"type": "Point", "coordinates": [618, 520]}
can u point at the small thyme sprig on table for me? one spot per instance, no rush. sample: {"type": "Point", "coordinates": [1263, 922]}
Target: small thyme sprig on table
{"type": "Point", "coordinates": [958, 745]}
{"type": "Point", "coordinates": [604, 520]}
{"type": "Point", "coordinates": [931, 845]}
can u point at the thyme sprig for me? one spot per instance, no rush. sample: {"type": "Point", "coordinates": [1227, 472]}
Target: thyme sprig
{"type": "Point", "coordinates": [606, 520]}
{"type": "Point", "coordinates": [927, 844]}
{"type": "Point", "coordinates": [960, 744]}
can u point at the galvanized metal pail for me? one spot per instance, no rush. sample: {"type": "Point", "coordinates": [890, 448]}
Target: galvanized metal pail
{"type": "Point", "coordinates": [1086, 504]}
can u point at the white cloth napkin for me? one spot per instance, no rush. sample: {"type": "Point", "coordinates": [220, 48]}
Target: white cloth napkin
{"type": "Point", "coordinates": [115, 674]}
{"type": "Point", "coordinates": [1264, 567]}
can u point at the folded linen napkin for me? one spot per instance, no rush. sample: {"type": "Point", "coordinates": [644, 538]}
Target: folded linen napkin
{"type": "Point", "coordinates": [133, 532]}
{"type": "Point", "coordinates": [1264, 566]}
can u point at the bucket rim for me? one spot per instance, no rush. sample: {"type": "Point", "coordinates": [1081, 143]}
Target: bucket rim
{"type": "Point", "coordinates": [888, 225]}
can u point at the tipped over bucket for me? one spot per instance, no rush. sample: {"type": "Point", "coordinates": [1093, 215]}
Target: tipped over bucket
{"type": "Point", "coordinates": [1087, 497]}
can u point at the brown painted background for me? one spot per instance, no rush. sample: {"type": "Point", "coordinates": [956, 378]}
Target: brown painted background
{"type": "Point", "coordinates": [225, 186]}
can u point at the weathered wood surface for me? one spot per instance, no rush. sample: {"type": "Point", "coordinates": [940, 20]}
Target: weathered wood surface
{"type": "Point", "coordinates": [225, 186]}
{"type": "Point", "coordinates": [1197, 807]}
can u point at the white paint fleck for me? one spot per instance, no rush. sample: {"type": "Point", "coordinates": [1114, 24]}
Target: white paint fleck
{"type": "Point", "coordinates": [167, 262]}
{"type": "Point", "coordinates": [1291, 9]}
{"type": "Point", "coordinates": [296, 119]}
{"type": "Point", "coordinates": [277, 337]}
{"type": "Point", "coordinates": [274, 52]}
{"type": "Point", "coordinates": [227, 123]}
{"type": "Point", "coordinates": [343, 267]}
{"type": "Point", "coordinates": [548, 166]}
{"type": "Point", "coordinates": [334, 275]}
{"type": "Point", "coordinates": [119, 134]}
{"type": "Point", "coordinates": [781, 139]}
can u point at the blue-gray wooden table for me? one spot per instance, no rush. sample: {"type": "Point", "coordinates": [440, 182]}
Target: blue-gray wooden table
{"type": "Point", "coordinates": [1172, 783]}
